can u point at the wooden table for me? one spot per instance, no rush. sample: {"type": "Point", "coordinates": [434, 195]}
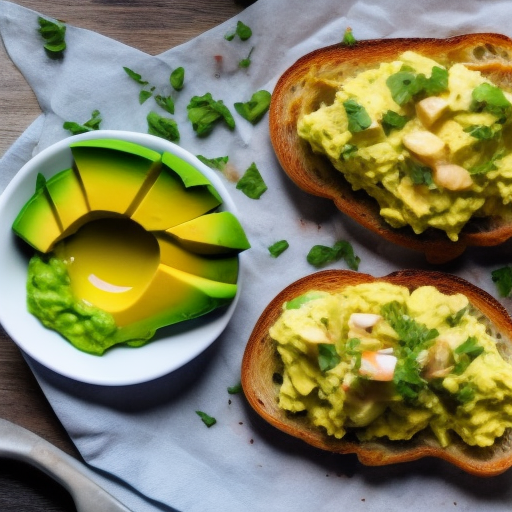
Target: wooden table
{"type": "Point", "coordinates": [167, 23]}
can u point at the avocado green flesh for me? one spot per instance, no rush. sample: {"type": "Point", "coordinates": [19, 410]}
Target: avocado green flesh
{"type": "Point", "coordinates": [376, 160]}
{"type": "Point", "coordinates": [461, 383]}
{"type": "Point", "coordinates": [148, 192]}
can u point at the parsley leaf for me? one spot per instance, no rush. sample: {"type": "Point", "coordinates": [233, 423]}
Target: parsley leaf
{"type": "Point", "coordinates": [177, 78]}
{"type": "Point", "coordinates": [90, 125]}
{"type": "Point", "coordinates": [352, 349]}
{"type": "Point", "coordinates": [328, 358]}
{"type": "Point", "coordinates": [297, 302]}
{"type": "Point", "coordinates": [135, 76]}
{"type": "Point", "coordinates": [252, 183]}
{"type": "Point", "coordinates": [233, 390]}
{"type": "Point", "coordinates": [490, 98]}
{"type": "Point", "coordinates": [207, 420]}
{"type": "Point", "coordinates": [454, 320]}
{"type": "Point", "coordinates": [163, 127]}
{"type": "Point", "coordinates": [278, 248]}
{"type": "Point", "coordinates": [54, 34]}
{"type": "Point", "coordinates": [245, 63]}
{"type": "Point", "coordinates": [465, 394]}
{"type": "Point", "coordinates": [348, 38]}
{"type": "Point", "coordinates": [204, 112]}
{"type": "Point", "coordinates": [242, 31]}
{"type": "Point", "coordinates": [165, 102]}
{"type": "Point", "coordinates": [482, 132]}
{"type": "Point", "coordinates": [144, 95]}
{"type": "Point", "coordinates": [470, 347]}
{"type": "Point", "coordinates": [348, 151]}
{"type": "Point", "coordinates": [320, 255]}
{"type": "Point", "coordinates": [358, 118]}
{"type": "Point", "coordinates": [488, 165]}
{"type": "Point", "coordinates": [214, 163]}
{"type": "Point", "coordinates": [254, 109]}
{"type": "Point", "coordinates": [503, 279]}
{"type": "Point", "coordinates": [420, 174]}
{"type": "Point", "coordinates": [391, 120]}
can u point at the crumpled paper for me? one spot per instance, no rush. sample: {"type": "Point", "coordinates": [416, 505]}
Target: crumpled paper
{"type": "Point", "coordinates": [147, 444]}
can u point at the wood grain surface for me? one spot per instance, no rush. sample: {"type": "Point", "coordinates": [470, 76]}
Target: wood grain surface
{"type": "Point", "coordinates": [166, 23]}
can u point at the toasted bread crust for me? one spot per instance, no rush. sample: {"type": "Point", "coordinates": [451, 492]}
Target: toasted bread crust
{"type": "Point", "coordinates": [261, 362]}
{"type": "Point", "coordinates": [296, 94]}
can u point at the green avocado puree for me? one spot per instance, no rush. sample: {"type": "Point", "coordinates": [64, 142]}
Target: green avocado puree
{"type": "Point", "coordinates": [449, 376]}
{"type": "Point", "coordinates": [365, 130]}
{"type": "Point", "coordinates": [50, 299]}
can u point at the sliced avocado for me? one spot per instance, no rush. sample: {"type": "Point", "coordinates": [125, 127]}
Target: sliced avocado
{"type": "Point", "coordinates": [67, 195]}
{"type": "Point", "coordinates": [216, 268]}
{"type": "Point", "coordinates": [37, 222]}
{"type": "Point", "coordinates": [175, 198]}
{"type": "Point", "coordinates": [173, 296]}
{"type": "Point", "coordinates": [216, 233]}
{"type": "Point", "coordinates": [114, 173]}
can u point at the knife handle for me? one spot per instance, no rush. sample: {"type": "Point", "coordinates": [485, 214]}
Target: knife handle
{"type": "Point", "coordinates": [19, 443]}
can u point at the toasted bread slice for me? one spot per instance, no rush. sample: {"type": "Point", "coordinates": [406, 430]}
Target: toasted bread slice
{"type": "Point", "coordinates": [261, 363]}
{"type": "Point", "coordinates": [313, 80]}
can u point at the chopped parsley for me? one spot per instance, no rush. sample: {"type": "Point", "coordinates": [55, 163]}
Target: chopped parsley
{"type": "Point", "coordinates": [358, 118]}
{"type": "Point", "coordinates": [391, 120]}
{"type": "Point", "coordinates": [92, 124]}
{"type": "Point", "coordinates": [243, 31]}
{"type": "Point", "coordinates": [482, 132]}
{"type": "Point", "coordinates": [503, 279]}
{"type": "Point", "coordinates": [490, 98]}
{"type": "Point", "coordinates": [420, 174]}
{"type": "Point", "coordinates": [488, 165]}
{"type": "Point", "coordinates": [177, 78]}
{"type": "Point", "coordinates": [328, 358]}
{"type": "Point", "coordinates": [348, 37]}
{"type": "Point", "coordinates": [214, 163]}
{"type": "Point", "coordinates": [233, 390]}
{"type": "Point", "coordinates": [254, 109]}
{"type": "Point", "coordinates": [466, 353]}
{"type": "Point", "coordinates": [252, 183]}
{"type": "Point", "coordinates": [278, 248]}
{"type": "Point", "coordinates": [54, 35]}
{"type": "Point", "coordinates": [204, 113]}
{"type": "Point", "coordinates": [207, 420]}
{"type": "Point", "coordinates": [135, 76]}
{"type": "Point", "coordinates": [454, 320]}
{"type": "Point", "coordinates": [321, 255]}
{"type": "Point", "coordinates": [246, 62]}
{"type": "Point", "coordinates": [144, 94]}
{"type": "Point", "coordinates": [165, 102]}
{"type": "Point", "coordinates": [348, 151]}
{"type": "Point", "coordinates": [163, 127]}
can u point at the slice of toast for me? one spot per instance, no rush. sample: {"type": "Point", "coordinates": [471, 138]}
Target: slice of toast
{"type": "Point", "coordinates": [313, 80]}
{"type": "Point", "coordinates": [261, 363]}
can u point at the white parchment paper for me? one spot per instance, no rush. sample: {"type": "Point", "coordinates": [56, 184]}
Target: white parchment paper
{"type": "Point", "coordinates": [150, 448]}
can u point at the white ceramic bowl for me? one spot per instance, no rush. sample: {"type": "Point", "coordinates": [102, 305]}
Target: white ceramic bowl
{"type": "Point", "coordinates": [171, 348]}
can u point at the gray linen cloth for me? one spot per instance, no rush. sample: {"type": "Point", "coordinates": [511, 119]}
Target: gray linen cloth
{"type": "Point", "coordinates": [149, 447]}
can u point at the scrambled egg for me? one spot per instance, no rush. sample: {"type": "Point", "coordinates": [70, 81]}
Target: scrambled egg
{"type": "Point", "coordinates": [379, 361]}
{"type": "Point", "coordinates": [430, 144]}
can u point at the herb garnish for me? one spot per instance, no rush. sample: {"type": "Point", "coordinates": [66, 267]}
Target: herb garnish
{"type": "Point", "coordinates": [490, 98]}
{"type": "Point", "coordinates": [163, 127]}
{"type": "Point", "coordinates": [207, 420]}
{"type": "Point", "coordinates": [454, 320]}
{"type": "Point", "coordinates": [348, 37]}
{"type": "Point", "coordinates": [88, 126]}
{"type": "Point", "coordinates": [54, 34]}
{"type": "Point", "coordinates": [165, 102]}
{"type": "Point", "coordinates": [144, 94]}
{"type": "Point", "coordinates": [328, 358]}
{"type": "Point", "coordinates": [242, 31]}
{"type": "Point", "coordinates": [233, 390]}
{"type": "Point", "coordinates": [483, 132]}
{"type": "Point", "coordinates": [488, 165]}
{"type": "Point", "coordinates": [204, 112]}
{"type": "Point", "coordinates": [391, 120]}
{"type": "Point", "coordinates": [503, 279]}
{"type": "Point", "coordinates": [177, 78]}
{"type": "Point", "coordinates": [214, 163]}
{"type": "Point", "coordinates": [278, 248]}
{"type": "Point", "coordinates": [321, 255]}
{"type": "Point", "coordinates": [246, 62]}
{"type": "Point", "coordinates": [466, 353]}
{"type": "Point", "coordinates": [358, 118]}
{"type": "Point", "coordinates": [420, 174]}
{"type": "Point", "coordinates": [254, 109]}
{"type": "Point", "coordinates": [252, 183]}
{"type": "Point", "coordinates": [348, 151]}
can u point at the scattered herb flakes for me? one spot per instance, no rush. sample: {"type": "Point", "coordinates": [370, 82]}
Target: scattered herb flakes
{"type": "Point", "coordinates": [391, 120]}
{"type": "Point", "coordinates": [278, 248]}
{"type": "Point", "coordinates": [144, 95]}
{"type": "Point", "coordinates": [488, 165]}
{"type": "Point", "coordinates": [40, 181]}
{"type": "Point", "coordinates": [177, 78]}
{"type": "Point", "coordinates": [328, 358]}
{"type": "Point", "coordinates": [165, 102]}
{"type": "Point", "coordinates": [348, 37]}
{"type": "Point", "coordinates": [503, 279]}
{"type": "Point", "coordinates": [490, 98]}
{"type": "Point", "coordinates": [233, 390]}
{"type": "Point", "coordinates": [348, 151]}
{"type": "Point", "coordinates": [242, 31]}
{"type": "Point", "coordinates": [483, 132]}
{"type": "Point", "coordinates": [54, 35]}
{"type": "Point", "coordinates": [92, 124]}
{"type": "Point", "coordinates": [207, 420]}
{"type": "Point", "coordinates": [204, 112]}
{"type": "Point", "coordinates": [358, 118]}
{"type": "Point", "coordinates": [135, 76]}
{"type": "Point", "coordinates": [245, 63]}
{"type": "Point", "coordinates": [251, 183]}
{"type": "Point", "coordinates": [321, 255]}
{"type": "Point", "coordinates": [254, 109]}
{"type": "Point", "coordinates": [163, 127]}
{"type": "Point", "coordinates": [218, 163]}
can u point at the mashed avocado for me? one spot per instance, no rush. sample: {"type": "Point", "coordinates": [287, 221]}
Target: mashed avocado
{"type": "Point", "coordinates": [432, 145]}
{"type": "Point", "coordinates": [380, 361]}
{"type": "Point", "coordinates": [50, 299]}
